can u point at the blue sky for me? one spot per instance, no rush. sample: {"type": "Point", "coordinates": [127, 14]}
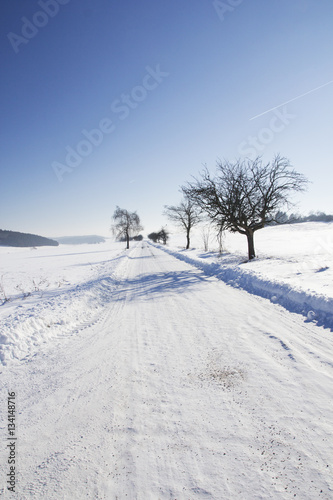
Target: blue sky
{"type": "Point", "coordinates": [143, 94]}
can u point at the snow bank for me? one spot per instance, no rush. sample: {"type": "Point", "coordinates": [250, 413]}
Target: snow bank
{"type": "Point", "coordinates": [314, 306]}
{"type": "Point", "coordinates": [59, 315]}
{"type": "Point", "coordinates": [81, 284]}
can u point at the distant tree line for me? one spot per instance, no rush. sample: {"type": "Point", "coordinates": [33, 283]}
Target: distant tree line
{"type": "Point", "coordinates": [16, 239]}
{"type": "Point", "coordinates": [80, 240]}
{"type": "Point", "coordinates": [284, 218]}
{"type": "Point", "coordinates": [139, 237]}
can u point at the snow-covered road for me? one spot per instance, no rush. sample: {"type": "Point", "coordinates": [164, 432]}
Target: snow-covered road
{"type": "Point", "coordinates": [184, 388]}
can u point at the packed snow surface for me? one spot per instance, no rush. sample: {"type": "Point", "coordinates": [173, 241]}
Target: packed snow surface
{"type": "Point", "coordinates": [139, 375]}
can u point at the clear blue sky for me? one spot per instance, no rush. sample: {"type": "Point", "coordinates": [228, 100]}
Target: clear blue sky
{"type": "Point", "coordinates": [171, 85]}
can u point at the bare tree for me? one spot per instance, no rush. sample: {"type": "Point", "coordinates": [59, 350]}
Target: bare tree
{"type": "Point", "coordinates": [205, 234]}
{"type": "Point", "coordinates": [244, 196]}
{"type": "Point", "coordinates": [185, 215]}
{"type": "Point", "coordinates": [154, 237]}
{"type": "Point", "coordinates": [126, 224]}
{"type": "Point", "coordinates": [162, 235]}
{"type": "Point", "coordinates": [220, 237]}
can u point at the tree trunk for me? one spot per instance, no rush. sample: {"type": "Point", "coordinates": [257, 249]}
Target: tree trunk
{"type": "Point", "coordinates": [127, 241]}
{"type": "Point", "coordinates": [187, 239]}
{"type": "Point", "coordinates": [250, 243]}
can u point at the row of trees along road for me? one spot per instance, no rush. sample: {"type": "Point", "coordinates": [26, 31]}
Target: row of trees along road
{"type": "Point", "coordinates": [242, 197]}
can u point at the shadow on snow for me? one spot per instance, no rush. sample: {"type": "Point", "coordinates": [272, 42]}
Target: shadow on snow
{"type": "Point", "coordinates": [150, 285]}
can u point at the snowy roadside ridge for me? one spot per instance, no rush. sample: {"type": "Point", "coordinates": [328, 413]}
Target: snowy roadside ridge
{"type": "Point", "coordinates": [57, 315]}
{"type": "Point", "coordinates": [315, 307]}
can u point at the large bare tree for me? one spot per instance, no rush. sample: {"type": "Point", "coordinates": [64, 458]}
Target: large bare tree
{"type": "Point", "coordinates": [186, 215]}
{"type": "Point", "coordinates": [126, 224]}
{"type": "Point", "coordinates": [244, 196]}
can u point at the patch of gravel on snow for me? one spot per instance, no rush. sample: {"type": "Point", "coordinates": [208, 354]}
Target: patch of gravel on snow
{"type": "Point", "coordinates": [228, 377]}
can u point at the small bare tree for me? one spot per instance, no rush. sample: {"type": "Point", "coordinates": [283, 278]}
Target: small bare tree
{"type": "Point", "coordinates": [205, 234]}
{"type": "Point", "coordinates": [126, 224]}
{"type": "Point", "coordinates": [185, 215]}
{"type": "Point", "coordinates": [245, 196]}
{"type": "Point", "coordinates": [219, 236]}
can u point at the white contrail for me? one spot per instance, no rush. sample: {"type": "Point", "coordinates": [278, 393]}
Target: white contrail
{"type": "Point", "coordinates": [291, 100]}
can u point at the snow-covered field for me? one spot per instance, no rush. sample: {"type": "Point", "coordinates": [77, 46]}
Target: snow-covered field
{"type": "Point", "coordinates": [298, 254]}
{"type": "Point", "coordinates": [52, 291]}
{"type": "Point", "coordinates": [154, 373]}
{"type": "Point", "coordinates": [294, 265]}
